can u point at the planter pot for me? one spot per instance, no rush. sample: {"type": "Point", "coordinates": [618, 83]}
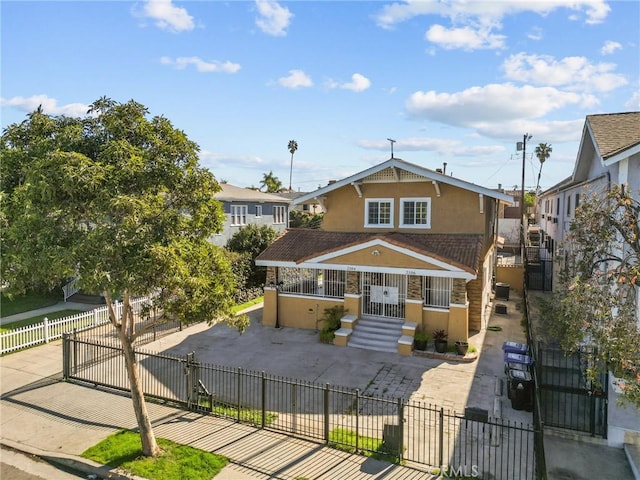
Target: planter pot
{"type": "Point", "coordinates": [462, 348]}
{"type": "Point", "coordinates": [420, 344]}
{"type": "Point", "coordinates": [441, 346]}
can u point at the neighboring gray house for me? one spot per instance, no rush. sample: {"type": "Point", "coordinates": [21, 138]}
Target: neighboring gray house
{"type": "Point", "coordinates": [609, 154]}
{"type": "Point", "coordinates": [243, 206]}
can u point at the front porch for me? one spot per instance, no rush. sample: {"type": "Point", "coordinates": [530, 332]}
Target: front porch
{"type": "Point", "coordinates": [382, 310]}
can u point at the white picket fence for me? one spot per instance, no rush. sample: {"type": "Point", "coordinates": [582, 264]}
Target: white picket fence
{"type": "Point", "coordinates": [48, 330]}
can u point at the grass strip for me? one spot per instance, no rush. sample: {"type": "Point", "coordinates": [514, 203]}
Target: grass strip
{"type": "Point", "coordinates": [123, 450]}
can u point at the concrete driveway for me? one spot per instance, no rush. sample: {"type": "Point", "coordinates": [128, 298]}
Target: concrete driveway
{"type": "Point", "coordinates": [298, 354]}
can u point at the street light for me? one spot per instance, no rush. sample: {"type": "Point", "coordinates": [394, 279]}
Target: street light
{"type": "Point", "coordinates": [522, 146]}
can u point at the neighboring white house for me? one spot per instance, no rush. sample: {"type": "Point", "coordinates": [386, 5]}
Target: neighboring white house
{"type": "Point", "coordinates": [243, 206]}
{"type": "Point", "coordinates": [609, 154]}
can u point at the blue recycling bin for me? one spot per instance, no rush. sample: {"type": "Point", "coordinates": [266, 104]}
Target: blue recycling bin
{"type": "Point", "coordinates": [515, 347]}
{"type": "Point", "coordinates": [515, 366]}
{"type": "Point", "coordinates": [520, 358]}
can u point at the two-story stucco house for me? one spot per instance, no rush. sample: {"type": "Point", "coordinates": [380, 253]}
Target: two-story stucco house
{"type": "Point", "coordinates": [243, 206]}
{"type": "Point", "coordinates": [400, 246]}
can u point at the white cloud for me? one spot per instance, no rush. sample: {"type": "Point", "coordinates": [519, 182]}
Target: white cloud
{"type": "Point", "coordinates": [489, 12]}
{"type": "Point", "coordinates": [481, 107]}
{"type": "Point", "coordinates": [535, 33]}
{"type": "Point", "coordinates": [359, 83]}
{"type": "Point", "coordinates": [49, 105]}
{"type": "Point", "coordinates": [577, 73]}
{"type": "Point", "coordinates": [273, 18]}
{"type": "Point", "coordinates": [181, 63]}
{"type": "Point", "coordinates": [442, 146]}
{"type": "Point", "coordinates": [296, 79]}
{"type": "Point", "coordinates": [634, 102]}
{"type": "Point", "coordinates": [609, 47]}
{"type": "Point", "coordinates": [467, 38]}
{"type": "Point", "coordinates": [167, 16]}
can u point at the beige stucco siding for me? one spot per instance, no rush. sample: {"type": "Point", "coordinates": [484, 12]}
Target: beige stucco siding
{"type": "Point", "coordinates": [385, 257]}
{"type": "Point", "coordinates": [455, 211]}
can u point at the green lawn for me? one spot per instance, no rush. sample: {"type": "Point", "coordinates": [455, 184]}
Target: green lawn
{"type": "Point", "coordinates": [345, 440]}
{"type": "Point", "coordinates": [24, 303]}
{"type": "Point", "coordinates": [37, 319]}
{"type": "Point", "coordinates": [248, 304]}
{"type": "Point", "coordinates": [177, 462]}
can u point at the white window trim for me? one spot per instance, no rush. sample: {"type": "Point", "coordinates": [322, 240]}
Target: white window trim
{"type": "Point", "coordinates": [239, 212]}
{"type": "Point", "coordinates": [283, 209]}
{"type": "Point", "coordinates": [366, 213]}
{"type": "Point", "coordinates": [414, 200]}
{"type": "Point", "coordinates": [258, 210]}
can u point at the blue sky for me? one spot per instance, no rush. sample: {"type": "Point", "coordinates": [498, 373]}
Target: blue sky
{"type": "Point", "coordinates": [449, 81]}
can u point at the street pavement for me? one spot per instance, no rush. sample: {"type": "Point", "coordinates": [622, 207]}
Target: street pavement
{"type": "Point", "coordinates": [44, 416]}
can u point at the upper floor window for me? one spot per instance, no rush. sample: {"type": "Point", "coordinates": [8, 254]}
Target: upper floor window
{"type": "Point", "coordinates": [416, 212]}
{"type": "Point", "coordinates": [577, 203]}
{"type": "Point", "coordinates": [279, 213]}
{"type": "Point", "coordinates": [568, 206]}
{"type": "Point", "coordinates": [258, 210]}
{"type": "Point", "coordinates": [378, 212]}
{"type": "Point", "coordinates": [238, 214]}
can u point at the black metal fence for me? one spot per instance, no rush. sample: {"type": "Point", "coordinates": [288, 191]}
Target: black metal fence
{"type": "Point", "coordinates": [538, 413]}
{"type": "Point", "coordinates": [420, 435]}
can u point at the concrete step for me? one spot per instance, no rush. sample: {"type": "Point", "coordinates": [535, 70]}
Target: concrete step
{"type": "Point", "coordinates": [380, 334]}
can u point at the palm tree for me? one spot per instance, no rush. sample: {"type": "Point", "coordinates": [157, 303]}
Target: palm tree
{"type": "Point", "coordinates": [270, 183]}
{"type": "Point", "coordinates": [293, 146]}
{"type": "Point", "coordinates": [543, 152]}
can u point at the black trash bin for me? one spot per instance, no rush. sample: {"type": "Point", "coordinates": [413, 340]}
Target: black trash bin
{"type": "Point", "coordinates": [502, 290]}
{"type": "Point", "coordinates": [521, 390]}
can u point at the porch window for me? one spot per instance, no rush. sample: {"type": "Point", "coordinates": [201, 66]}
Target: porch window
{"type": "Point", "coordinates": [313, 281]}
{"type": "Point", "coordinates": [238, 214]}
{"type": "Point", "coordinates": [258, 210]}
{"type": "Point", "coordinates": [416, 212]}
{"type": "Point", "coordinates": [437, 292]}
{"type": "Point", "coordinates": [379, 212]}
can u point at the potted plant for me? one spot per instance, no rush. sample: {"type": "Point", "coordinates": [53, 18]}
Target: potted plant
{"type": "Point", "coordinates": [462, 347]}
{"type": "Point", "coordinates": [420, 340]}
{"type": "Point", "coordinates": [440, 341]}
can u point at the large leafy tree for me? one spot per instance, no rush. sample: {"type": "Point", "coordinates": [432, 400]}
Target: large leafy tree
{"type": "Point", "coordinates": [249, 242]}
{"type": "Point", "coordinates": [118, 200]}
{"type": "Point", "coordinates": [597, 300]}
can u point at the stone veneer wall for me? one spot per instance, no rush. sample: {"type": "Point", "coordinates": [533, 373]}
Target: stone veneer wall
{"type": "Point", "coordinates": [353, 283]}
{"type": "Point", "coordinates": [414, 287]}
{"type": "Point", "coordinates": [459, 291]}
{"type": "Point", "coordinates": [474, 293]}
{"type": "Point", "coordinates": [272, 276]}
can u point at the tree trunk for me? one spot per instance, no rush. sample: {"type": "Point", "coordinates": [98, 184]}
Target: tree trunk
{"type": "Point", "coordinates": [124, 328]}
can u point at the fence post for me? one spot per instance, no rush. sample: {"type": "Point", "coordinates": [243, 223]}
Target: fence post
{"type": "Point", "coordinates": [95, 317]}
{"type": "Point", "coordinates": [441, 437]}
{"type": "Point", "coordinates": [46, 330]}
{"type": "Point", "coordinates": [65, 356]}
{"type": "Point", "coordinates": [400, 428]}
{"type": "Point", "coordinates": [294, 417]}
{"type": "Point", "coordinates": [239, 392]}
{"type": "Point", "coordinates": [326, 413]}
{"type": "Point", "coordinates": [264, 398]}
{"type": "Point", "coordinates": [357, 419]}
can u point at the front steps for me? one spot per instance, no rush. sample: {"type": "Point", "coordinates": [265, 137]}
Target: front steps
{"type": "Point", "coordinates": [380, 334]}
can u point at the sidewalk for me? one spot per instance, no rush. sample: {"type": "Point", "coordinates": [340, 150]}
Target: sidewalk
{"type": "Point", "coordinates": [43, 311]}
{"type": "Point", "coordinates": [58, 421]}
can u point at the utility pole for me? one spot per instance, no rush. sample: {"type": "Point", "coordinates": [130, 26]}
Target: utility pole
{"type": "Point", "coordinates": [522, 146]}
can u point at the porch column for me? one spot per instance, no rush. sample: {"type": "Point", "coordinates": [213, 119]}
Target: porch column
{"type": "Point", "coordinates": [352, 294]}
{"type": "Point", "coordinates": [458, 328]}
{"type": "Point", "coordinates": [414, 301]}
{"type": "Point", "coordinates": [270, 308]}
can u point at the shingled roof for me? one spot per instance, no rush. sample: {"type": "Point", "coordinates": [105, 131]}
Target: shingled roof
{"type": "Point", "coordinates": [615, 132]}
{"type": "Point", "coordinates": [300, 244]}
